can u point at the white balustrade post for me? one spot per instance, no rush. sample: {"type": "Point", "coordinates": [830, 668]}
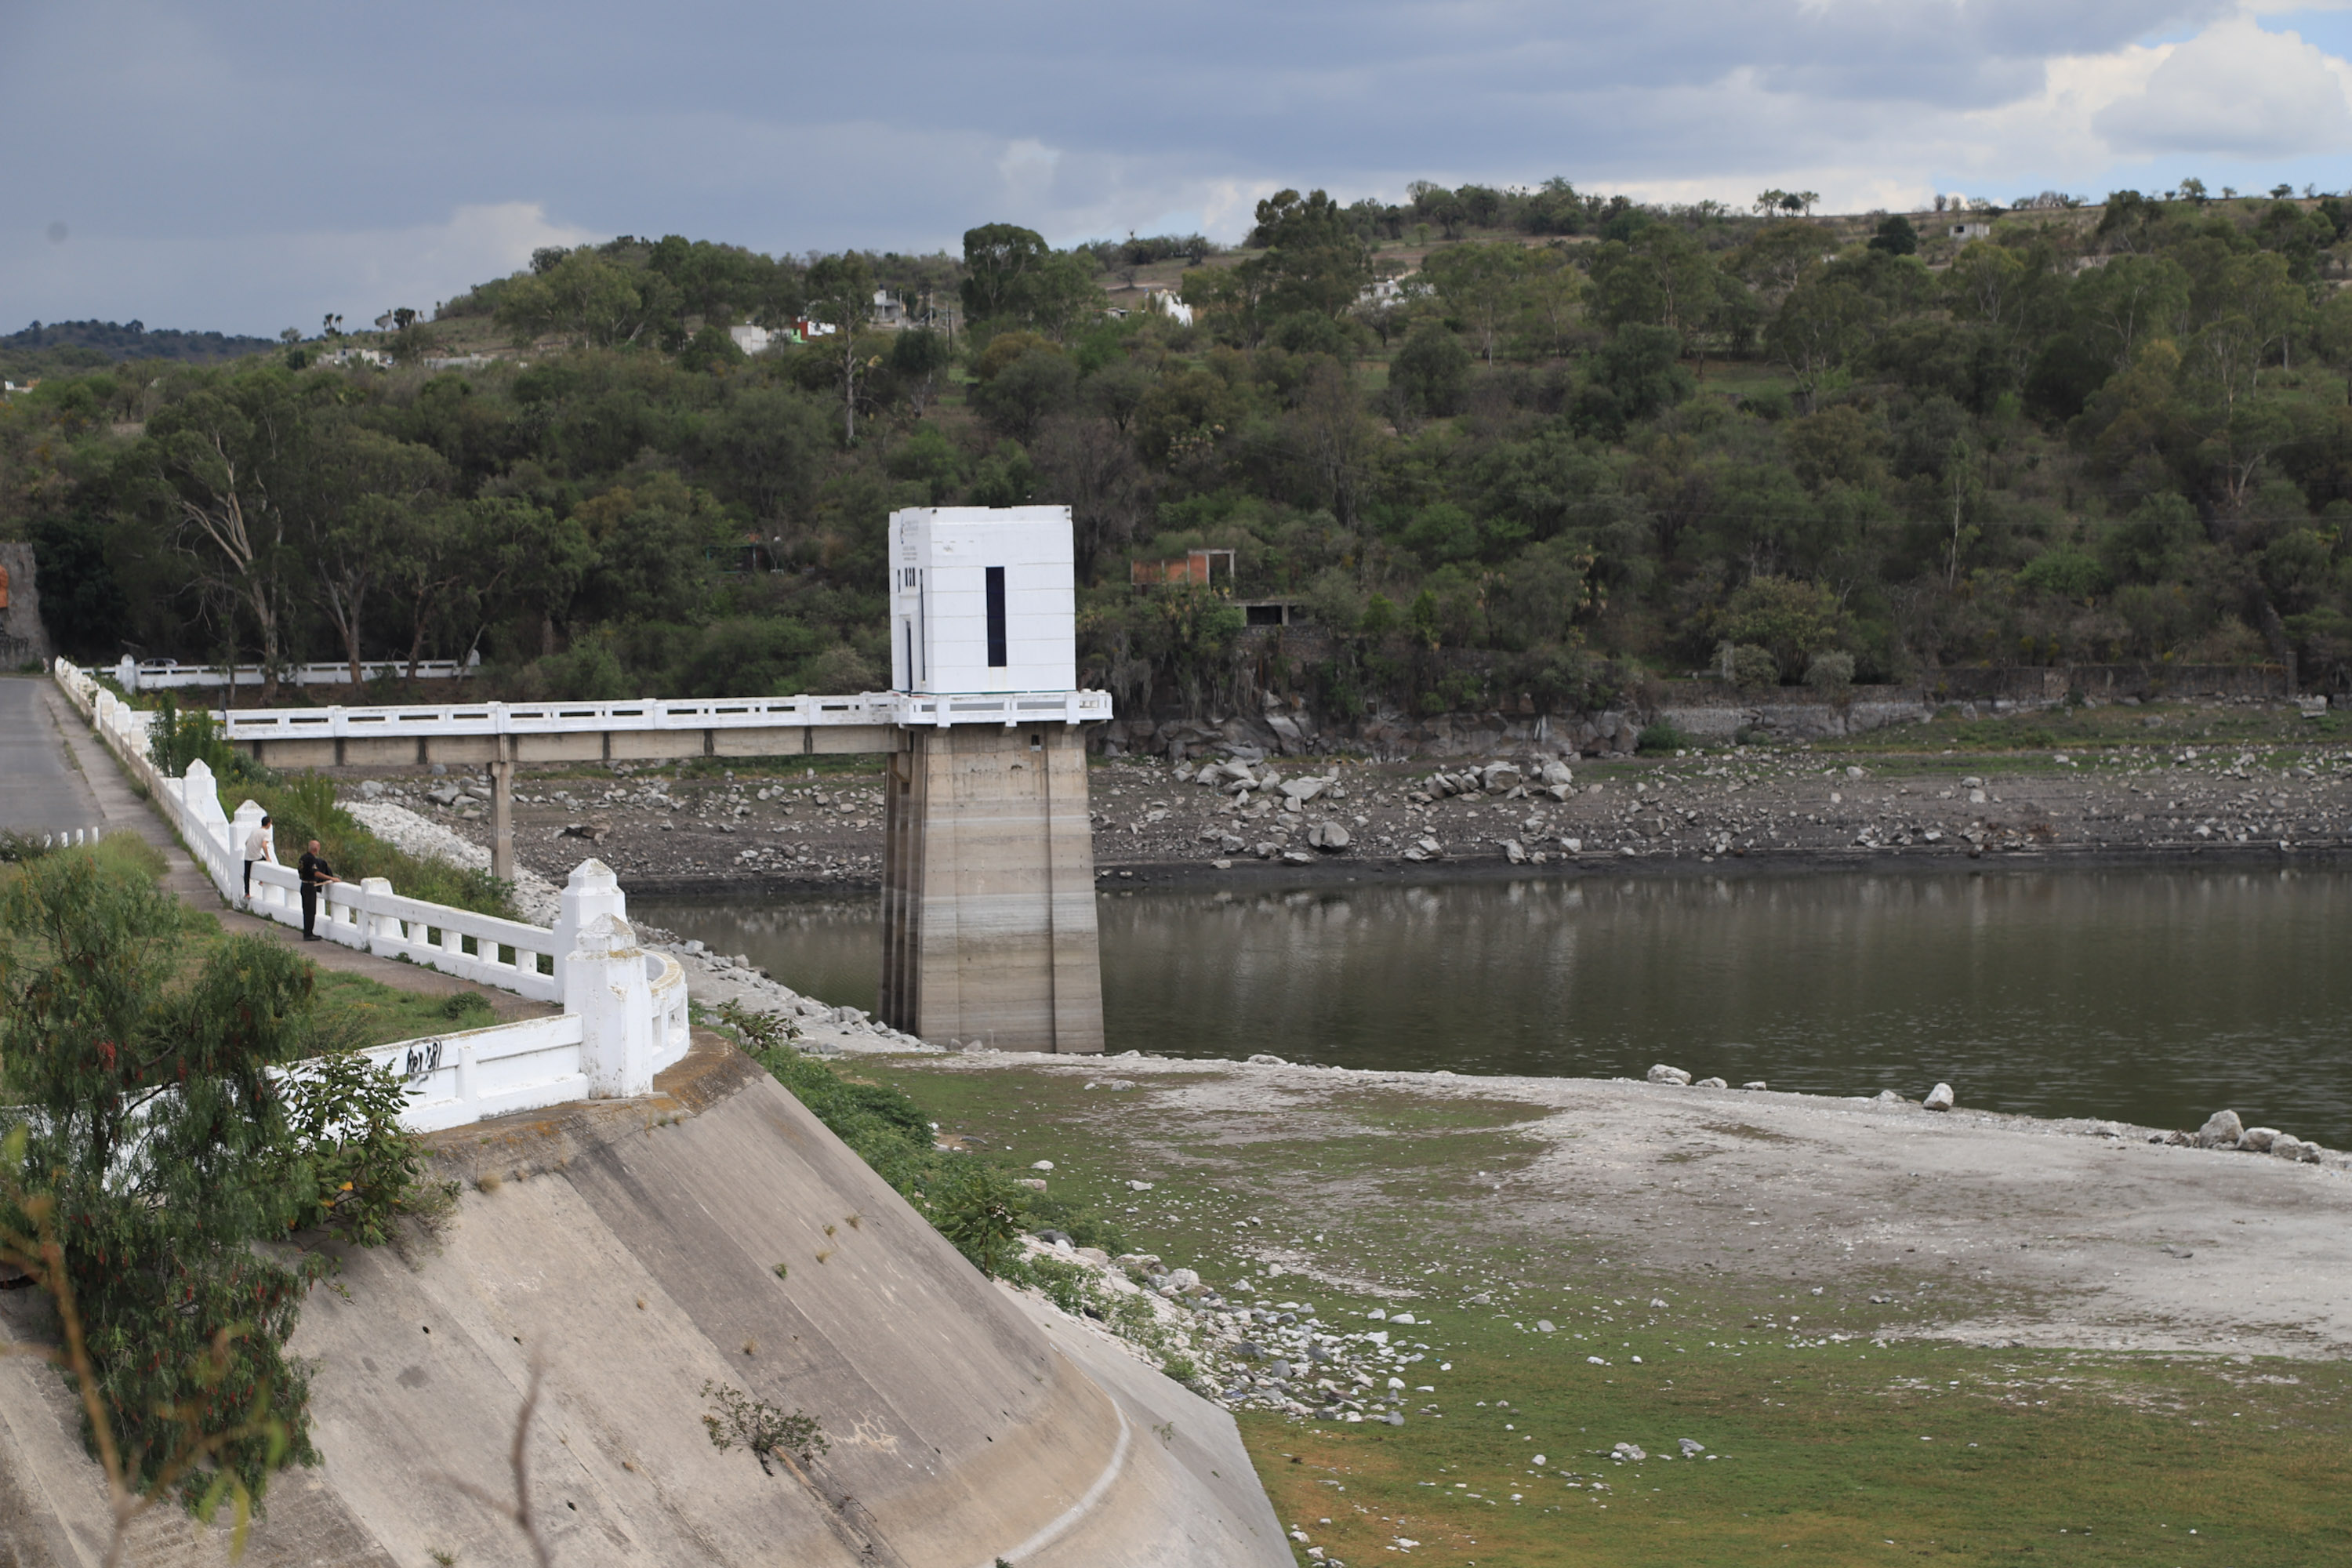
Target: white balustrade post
{"type": "Point", "coordinates": [126, 674]}
{"type": "Point", "coordinates": [592, 890]}
{"type": "Point", "coordinates": [374, 894]}
{"type": "Point", "coordinates": [604, 985]}
{"type": "Point", "coordinates": [201, 796]}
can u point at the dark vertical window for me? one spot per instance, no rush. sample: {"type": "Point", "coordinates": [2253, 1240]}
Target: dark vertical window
{"type": "Point", "coordinates": [996, 659]}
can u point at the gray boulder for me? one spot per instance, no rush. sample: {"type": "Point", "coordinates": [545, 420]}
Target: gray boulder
{"type": "Point", "coordinates": [1756, 1084]}
{"type": "Point", "coordinates": [1514, 851]}
{"type": "Point", "coordinates": [1938, 1098]}
{"type": "Point", "coordinates": [2222, 1131]}
{"type": "Point", "coordinates": [1710, 1083]}
{"type": "Point", "coordinates": [1665, 1073]}
{"type": "Point", "coordinates": [1327, 836]}
{"type": "Point", "coordinates": [1501, 778]}
{"type": "Point", "coordinates": [2259, 1140]}
{"type": "Point", "coordinates": [371, 789]}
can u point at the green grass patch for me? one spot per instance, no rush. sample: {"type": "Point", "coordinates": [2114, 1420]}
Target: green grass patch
{"type": "Point", "coordinates": [366, 1012]}
{"type": "Point", "coordinates": [1829, 1441]}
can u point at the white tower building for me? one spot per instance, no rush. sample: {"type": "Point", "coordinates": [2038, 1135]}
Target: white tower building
{"type": "Point", "coordinates": [983, 599]}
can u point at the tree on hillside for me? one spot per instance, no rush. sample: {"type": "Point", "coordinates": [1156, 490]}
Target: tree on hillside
{"type": "Point", "coordinates": [1481, 284]}
{"type": "Point", "coordinates": [355, 495]}
{"type": "Point", "coordinates": [1896, 235]}
{"type": "Point", "coordinates": [998, 259]}
{"type": "Point", "coordinates": [1013, 277]}
{"type": "Point", "coordinates": [841, 292]}
{"type": "Point", "coordinates": [587, 299]}
{"type": "Point", "coordinates": [2121, 305]}
{"type": "Point", "coordinates": [221, 458]}
{"type": "Point", "coordinates": [1313, 263]}
{"type": "Point", "coordinates": [1662, 278]}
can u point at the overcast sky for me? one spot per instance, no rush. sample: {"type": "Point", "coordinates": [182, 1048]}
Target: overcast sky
{"type": "Point", "coordinates": [249, 164]}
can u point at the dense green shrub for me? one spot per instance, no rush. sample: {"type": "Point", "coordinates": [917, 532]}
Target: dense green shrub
{"type": "Point", "coordinates": [150, 1137]}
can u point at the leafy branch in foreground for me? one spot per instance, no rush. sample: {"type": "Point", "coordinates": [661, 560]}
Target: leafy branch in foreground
{"type": "Point", "coordinates": [33, 1246]}
{"type": "Point", "coordinates": [152, 1156]}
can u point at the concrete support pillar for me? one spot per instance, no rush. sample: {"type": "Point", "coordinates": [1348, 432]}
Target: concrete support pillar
{"type": "Point", "coordinates": [605, 983]}
{"type": "Point", "coordinates": [503, 858]}
{"type": "Point", "coordinates": [988, 888]}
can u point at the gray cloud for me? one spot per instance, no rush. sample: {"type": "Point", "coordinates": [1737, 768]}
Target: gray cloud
{"type": "Point", "coordinates": [358, 141]}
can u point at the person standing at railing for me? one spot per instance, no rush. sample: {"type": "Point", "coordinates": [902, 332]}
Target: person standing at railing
{"type": "Point", "coordinates": [258, 847]}
{"type": "Point", "coordinates": [316, 874]}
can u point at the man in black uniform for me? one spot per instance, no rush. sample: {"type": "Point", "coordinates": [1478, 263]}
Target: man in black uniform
{"type": "Point", "coordinates": [316, 874]}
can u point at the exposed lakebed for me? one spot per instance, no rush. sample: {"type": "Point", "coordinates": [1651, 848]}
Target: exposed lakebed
{"type": "Point", "coordinates": [2152, 996]}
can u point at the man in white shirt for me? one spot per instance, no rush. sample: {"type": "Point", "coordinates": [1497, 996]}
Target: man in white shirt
{"type": "Point", "coordinates": [258, 847]}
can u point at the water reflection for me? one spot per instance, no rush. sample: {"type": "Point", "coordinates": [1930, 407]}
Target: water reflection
{"type": "Point", "coordinates": [2153, 996]}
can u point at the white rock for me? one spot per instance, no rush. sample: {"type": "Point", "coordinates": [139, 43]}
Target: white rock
{"type": "Point", "coordinates": [1573, 846]}
{"type": "Point", "coordinates": [2259, 1140]}
{"type": "Point", "coordinates": [1939, 1097]}
{"type": "Point", "coordinates": [1665, 1073]}
{"type": "Point", "coordinates": [1757, 1084]}
{"type": "Point", "coordinates": [1710, 1083]}
{"type": "Point", "coordinates": [1043, 1165]}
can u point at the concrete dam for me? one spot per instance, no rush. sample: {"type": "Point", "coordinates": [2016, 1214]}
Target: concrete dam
{"type": "Point", "coordinates": [697, 1228]}
{"type": "Point", "coordinates": [629, 1252]}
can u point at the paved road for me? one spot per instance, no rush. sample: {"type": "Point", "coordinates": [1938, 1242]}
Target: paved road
{"type": "Point", "coordinates": [40, 791]}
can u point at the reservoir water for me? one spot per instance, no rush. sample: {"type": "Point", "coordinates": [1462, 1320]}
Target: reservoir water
{"type": "Point", "coordinates": [2150, 996]}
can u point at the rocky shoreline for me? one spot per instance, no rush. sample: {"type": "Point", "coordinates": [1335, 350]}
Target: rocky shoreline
{"type": "Point", "coordinates": [775, 830]}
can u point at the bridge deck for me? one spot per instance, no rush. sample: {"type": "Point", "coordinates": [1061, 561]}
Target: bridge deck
{"type": "Point", "coordinates": [648, 730]}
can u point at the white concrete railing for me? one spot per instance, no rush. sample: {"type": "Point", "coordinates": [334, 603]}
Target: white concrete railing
{"type": "Point", "coordinates": [165, 674]}
{"type": "Point", "coordinates": [369, 914]}
{"type": "Point", "coordinates": [615, 1033]}
{"type": "Point", "coordinates": [1009, 709]}
{"type": "Point", "coordinates": [63, 839]}
{"type": "Point", "coordinates": [625, 1010]}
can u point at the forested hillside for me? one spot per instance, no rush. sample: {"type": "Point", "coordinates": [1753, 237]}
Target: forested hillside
{"type": "Point", "coordinates": [1495, 442]}
{"type": "Point", "coordinates": [70, 346]}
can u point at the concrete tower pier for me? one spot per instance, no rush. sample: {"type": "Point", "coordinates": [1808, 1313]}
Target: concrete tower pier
{"type": "Point", "coordinates": [988, 896]}
{"type": "Point", "coordinates": [988, 891]}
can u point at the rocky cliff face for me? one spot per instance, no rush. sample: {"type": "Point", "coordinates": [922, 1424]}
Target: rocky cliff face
{"type": "Point", "coordinates": [21, 635]}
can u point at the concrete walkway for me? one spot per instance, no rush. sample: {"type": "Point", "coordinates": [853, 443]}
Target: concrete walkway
{"type": "Point", "coordinates": [40, 789]}
{"type": "Point", "coordinates": [44, 740]}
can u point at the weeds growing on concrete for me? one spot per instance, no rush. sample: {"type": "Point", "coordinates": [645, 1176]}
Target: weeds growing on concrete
{"type": "Point", "coordinates": [760, 1427]}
